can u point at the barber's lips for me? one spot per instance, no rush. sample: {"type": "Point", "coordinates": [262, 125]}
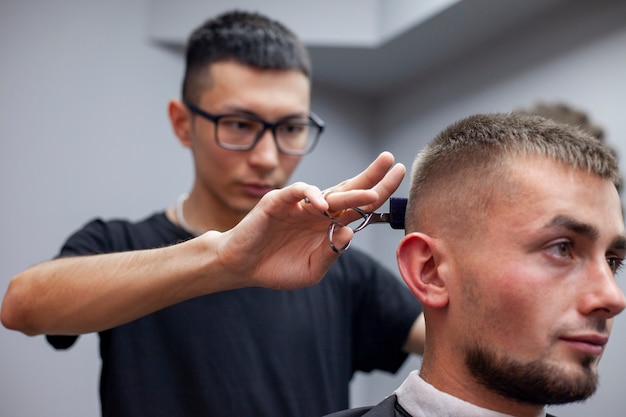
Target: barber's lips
{"type": "Point", "coordinates": [257, 190]}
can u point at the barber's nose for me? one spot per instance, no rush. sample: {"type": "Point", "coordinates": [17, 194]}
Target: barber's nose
{"type": "Point", "coordinates": [265, 153]}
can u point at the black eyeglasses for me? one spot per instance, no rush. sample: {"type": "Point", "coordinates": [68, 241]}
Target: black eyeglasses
{"type": "Point", "coordinates": [240, 132]}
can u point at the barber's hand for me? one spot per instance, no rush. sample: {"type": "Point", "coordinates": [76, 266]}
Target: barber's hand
{"type": "Point", "coordinates": [283, 242]}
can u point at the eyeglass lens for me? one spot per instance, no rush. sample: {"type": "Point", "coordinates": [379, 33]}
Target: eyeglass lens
{"type": "Point", "coordinates": [240, 133]}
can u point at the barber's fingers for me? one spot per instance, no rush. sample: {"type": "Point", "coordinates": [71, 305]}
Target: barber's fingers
{"type": "Point", "coordinates": [368, 190]}
{"type": "Point", "coordinates": [390, 183]}
{"type": "Point", "coordinates": [312, 198]}
{"type": "Point", "coordinates": [371, 175]}
{"type": "Point", "coordinates": [381, 176]}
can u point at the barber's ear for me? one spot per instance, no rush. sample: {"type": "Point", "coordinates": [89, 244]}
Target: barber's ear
{"type": "Point", "coordinates": [418, 261]}
{"type": "Point", "coordinates": [180, 119]}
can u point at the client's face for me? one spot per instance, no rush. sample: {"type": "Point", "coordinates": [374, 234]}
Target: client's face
{"type": "Point", "coordinates": [536, 295]}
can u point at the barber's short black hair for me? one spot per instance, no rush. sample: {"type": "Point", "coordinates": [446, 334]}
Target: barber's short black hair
{"type": "Point", "coordinates": [247, 38]}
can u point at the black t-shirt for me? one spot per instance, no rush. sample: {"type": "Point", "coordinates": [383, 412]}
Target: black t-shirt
{"type": "Point", "coordinates": [247, 352]}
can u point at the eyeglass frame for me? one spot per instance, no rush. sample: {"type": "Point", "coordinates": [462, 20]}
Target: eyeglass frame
{"type": "Point", "coordinates": [215, 118]}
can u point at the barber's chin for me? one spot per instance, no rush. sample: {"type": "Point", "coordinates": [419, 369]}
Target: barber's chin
{"type": "Point", "coordinates": [245, 204]}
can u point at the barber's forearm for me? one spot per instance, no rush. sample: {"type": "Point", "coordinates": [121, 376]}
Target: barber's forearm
{"type": "Point", "coordinates": [92, 293]}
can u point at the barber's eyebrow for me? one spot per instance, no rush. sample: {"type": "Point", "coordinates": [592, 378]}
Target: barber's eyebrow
{"type": "Point", "coordinates": [587, 230]}
{"type": "Point", "coordinates": [619, 243]}
{"type": "Point", "coordinates": [236, 109]}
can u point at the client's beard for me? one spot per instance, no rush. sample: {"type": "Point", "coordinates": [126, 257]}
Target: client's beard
{"type": "Point", "coordinates": [533, 382]}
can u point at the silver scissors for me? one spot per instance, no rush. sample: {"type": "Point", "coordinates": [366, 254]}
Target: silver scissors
{"type": "Point", "coordinates": [395, 218]}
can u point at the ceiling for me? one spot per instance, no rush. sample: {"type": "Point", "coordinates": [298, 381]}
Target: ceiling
{"type": "Point", "coordinates": [374, 47]}
{"type": "Point", "coordinates": [518, 31]}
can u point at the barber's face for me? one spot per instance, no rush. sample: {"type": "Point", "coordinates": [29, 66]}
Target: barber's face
{"type": "Point", "coordinates": [235, 181]}
{"type": "Point", "coordinates": [537, 294]}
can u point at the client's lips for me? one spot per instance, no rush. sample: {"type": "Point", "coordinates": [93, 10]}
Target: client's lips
{"type": "Point", "coordinates": [592, 344]}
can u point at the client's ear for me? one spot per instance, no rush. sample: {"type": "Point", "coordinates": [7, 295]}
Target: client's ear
{"type": "Point", "coordinates": [418, 261]}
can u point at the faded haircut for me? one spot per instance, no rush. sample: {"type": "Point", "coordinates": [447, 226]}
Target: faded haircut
{"type": "Point", "coordinates": [247, 38]}
{"type": "Point", "coordinates": [564, 113]}
{"type": "Point", "coordinates": [464, 167]}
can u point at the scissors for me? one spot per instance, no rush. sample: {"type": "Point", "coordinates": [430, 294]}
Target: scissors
{"type": "Point", "coordinates": [395, 218]}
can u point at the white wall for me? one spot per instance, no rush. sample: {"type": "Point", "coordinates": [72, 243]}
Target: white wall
{"type": "Point", "coordinates": [84, 133]}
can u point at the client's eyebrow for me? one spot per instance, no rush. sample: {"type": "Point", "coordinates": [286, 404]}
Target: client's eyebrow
{"type": "Point", "coordinates": [575, 226]}
{"type": "Point", "coordinates": [586, 230]}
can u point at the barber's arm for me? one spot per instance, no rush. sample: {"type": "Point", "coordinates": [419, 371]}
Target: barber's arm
{"type": "Point", "coordinates": [282, 243]}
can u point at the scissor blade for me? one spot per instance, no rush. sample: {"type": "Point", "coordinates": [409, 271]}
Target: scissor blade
{"type": "Point", "coordinates": [395, 217]}
{"type": "Point", "coordinates": [380, 218]}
